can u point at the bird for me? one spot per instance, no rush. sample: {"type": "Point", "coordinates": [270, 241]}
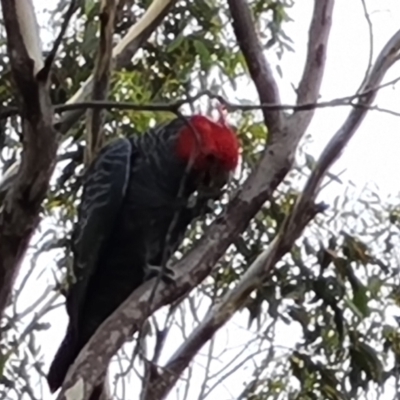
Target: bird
{"type": "Point", "coordinates": [139, 196]}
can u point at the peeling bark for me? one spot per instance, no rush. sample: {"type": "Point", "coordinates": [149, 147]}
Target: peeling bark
{"type": "Point", "coordinates": [20, 214]}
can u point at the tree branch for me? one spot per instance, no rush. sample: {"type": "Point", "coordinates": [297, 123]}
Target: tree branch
{"type": "Point", "coordinates": [101, 79]}
{"type": "Point", "coordinates": [387, 57]}
{"type": "Point", "coordinates": [174, 106]}
{"type": "Point", "coordinates": [52, 55]}
{"type": "Point", "coordinates": [371, 42]}
{"type": "Point", "coordinates": [260, 71]}
{"type": "Point", "coordinates": [20, 214]}
{"type": "Point", "coordinates": [310, 82]}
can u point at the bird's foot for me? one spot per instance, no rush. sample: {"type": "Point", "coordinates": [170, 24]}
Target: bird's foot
{"type": "Point", "coordinates": [166, 273]}
{"type": "Point", "coordinates": [200, 205]}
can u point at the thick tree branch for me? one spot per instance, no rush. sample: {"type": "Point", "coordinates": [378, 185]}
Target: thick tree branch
{"type": "Point", "coordinates": [101, 79]}
{"type": "Point", "coordinates": [259, 68]}
{"type": "Point", "coordinates": [20, 213]}
{"type": "Point", "coordinates": [303, 212]}
{"type": "Point", "coordinates": [310, 82]}
{"type": "Point", "coordinates": [199, 262]}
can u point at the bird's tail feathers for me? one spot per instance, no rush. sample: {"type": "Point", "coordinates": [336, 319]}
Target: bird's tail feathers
{"type": "Point", "coordinates": [63, 359]}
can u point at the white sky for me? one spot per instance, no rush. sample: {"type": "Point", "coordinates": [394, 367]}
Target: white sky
{"type": "Point", "coordinates": [372, 156]}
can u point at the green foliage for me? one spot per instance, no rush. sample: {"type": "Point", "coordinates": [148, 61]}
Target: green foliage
{"type": "Point", "coordinates": [338, 283]}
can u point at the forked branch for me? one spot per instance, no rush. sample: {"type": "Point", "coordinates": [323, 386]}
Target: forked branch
{"type": "Point", "coordinates": [20, 213]}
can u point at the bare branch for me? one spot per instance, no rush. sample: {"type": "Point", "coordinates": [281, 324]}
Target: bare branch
{"type": "Point", "coordinates": [95, 117]}
{"type": "Point", "coordinates": [371, 42]}
{"type": "Point", "coordinates": [260, 71]}
{"type": "Point", "coordinates": [101, 79]}
{"type": "Point", "coordinates": [20, 214]}
{"type": "Point", "coordinates": [310, 83]}
{"type": "Point", "coordinates": [388, 56]}
{"type": "Point", "coordinates": [252, 385]}
{"type": "Point", "coordinates": [52, 55]}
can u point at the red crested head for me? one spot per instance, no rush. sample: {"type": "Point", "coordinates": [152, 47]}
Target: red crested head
{"type": "Point", "coordinates": [208, 142]}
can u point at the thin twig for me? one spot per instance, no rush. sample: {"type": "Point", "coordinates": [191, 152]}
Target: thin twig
{"type": "Point", "coordinates": [371, 43]}
{"type": "Point", "coordinates": [174, 107]}
{"type": "Point", "coordinates": [44, 73]}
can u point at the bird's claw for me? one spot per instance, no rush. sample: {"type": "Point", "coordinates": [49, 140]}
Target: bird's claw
{"type": "Point", "coordinates": [200, 205]}
{"type": "Point", "coordinates": [167, 274]}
